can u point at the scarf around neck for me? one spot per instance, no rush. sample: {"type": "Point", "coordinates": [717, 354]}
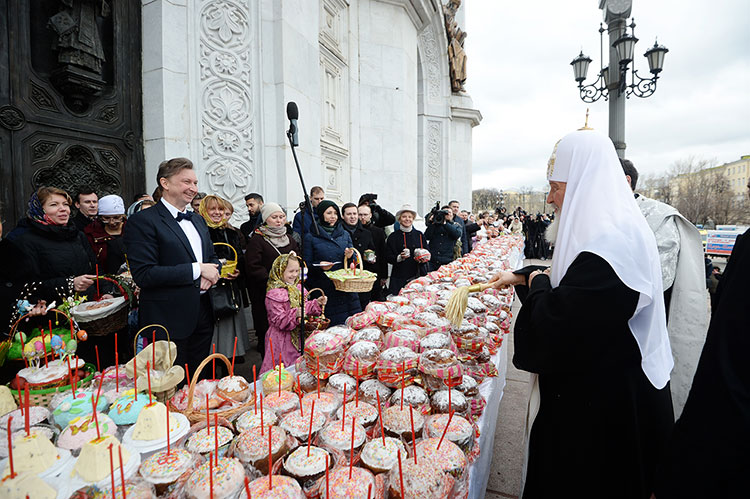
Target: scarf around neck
{"type": "Point", "coordinates": [277, 236]}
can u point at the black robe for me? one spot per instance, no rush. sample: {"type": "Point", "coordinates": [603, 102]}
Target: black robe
{"type": "Point", "coordinates": [601, 426]}
{"type": "Point", "coordinates": [709, 452]}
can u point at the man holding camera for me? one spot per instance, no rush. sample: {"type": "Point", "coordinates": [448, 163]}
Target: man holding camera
{"type": "Point", "coordinates": [442, 233]}
{"type": "Point", "coordinates": [380, 217]}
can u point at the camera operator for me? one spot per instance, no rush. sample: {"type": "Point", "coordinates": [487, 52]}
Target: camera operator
{"type": "Point", "coordinates": [380, 217]}
{"type": "Point", "coordinates": [442, 233]}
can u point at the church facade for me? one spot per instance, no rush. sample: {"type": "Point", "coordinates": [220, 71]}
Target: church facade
{"type": "Point", "coordinates": [378, 85]}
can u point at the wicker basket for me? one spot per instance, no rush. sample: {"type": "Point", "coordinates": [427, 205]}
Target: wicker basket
{"type": "Point", "coordinates": [115, 320]}
{"type": "Point", "coordinates": [231, 265]}
{"type": "Point", "coordinates": [44, 396]}
{"type": "Point", "coordinates": [319, 323]}
{"type": "Point", "coordinates": [357, 284]}
{"type": "Point", "coordinates": [196, 415]}
{"type": "Point", "coordinates": [19, 363]}
{"type": "Point", "coordinates": [164, 396]}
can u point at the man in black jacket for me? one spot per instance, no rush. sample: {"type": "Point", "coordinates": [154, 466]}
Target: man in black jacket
{"type": "Point", "coordinates": [442, 233]}
{"type": "Point", "coordinates": [380, 266]}
{"type": "Point", "coordinates": [173, 261]}
{"type": "Point", "coordinates": [254, 203]}
{"type": "Point", "coordinates": [87, 204]}
{"type": "Point", "coordinates": [361, 240]}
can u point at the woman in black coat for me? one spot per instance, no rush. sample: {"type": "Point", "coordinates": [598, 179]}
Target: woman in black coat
{"type": "Point", "coordinates": [324, 251]}
{"type": "Point", "coordinates": [400, 246]}
{"type": "Point", "coordinates": [60, 261]}
{"type": "Point", "coordinates": [272, 238]}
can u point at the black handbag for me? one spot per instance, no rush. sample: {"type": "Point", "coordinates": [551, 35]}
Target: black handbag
{"type": "Point", "coordinates": [224, 300]}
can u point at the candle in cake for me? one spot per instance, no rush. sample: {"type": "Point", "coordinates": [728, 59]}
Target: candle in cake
{"type": "Point", "coordinates": [270, 458]}
{"type": "Point", "coordinates": [208, 419]}
{"type": "Point", "coordinates": [26, 424]}
{"type": "Point", "coordinates": [148, 375]}
{"type": "Point", "coordinates": [247, 487]}
{"type": "Point", "coordinates": [413, 434]}
{"type": "Point", "coordinates": [96, 419]}
{"type": "Point", "coordinates": [122, 474]}
{"type": "Point", "coordinates": [216, 435]}
{"type": "Point", "coordinates": [153, 348]}
{"type": "Point", "coordinates": [213, 362]}
{"type": "Point", "coordinates": [328, 494]}
{"type": "Point", "coordinates": [450, 416]}
{"type": "Point", "coordinates": [211, 474]}
{"type": "Point", "coordinates": [20, 397]}
{"type": "Point", "coordinates": [168, 448]}
{"type": "Point", "coordinates": [351, 451]}
{"type": "Point", "coordinates": [401, 475]}
{"type": "Point", "coordinates": [234, 353]}
{"type": "Point", "coordinates": [343, 410]}
{"type": "Point", "coordinates": [261, 414]}
{"type": "Point", "coordinates": [96, 350]}
{"type": "Point", "coordinates": [309, 432]}
{"type": "Point", "coordinates": [255, 393]}
{"type": "Point", "coordinates": [112, 469]}
{"type": "Point", "coordinates": [117, 367]}
{"type": "Point", "coordinates": [301, 411]}
{"type": "Point", "coordinates": [187, 374]}
{"type": "Point", "coordinates": [380, 417]}
{"type": "Point", "coordinates": [135, 376]}
{"type": "Point", "coordinates": [356, 394]}
{"type": "Point", "coordinates": [317, 375]}
{"type": "Point", "coordinates": [10, 449]}
{"type": "Point", "coordinates": [450, 403]}
{"type": "Point", "coordinates": [403, 383]}
{"type": "Point", "coordinates": [369, 491]}
{"type": "Point", "coordinates": [99, 389]}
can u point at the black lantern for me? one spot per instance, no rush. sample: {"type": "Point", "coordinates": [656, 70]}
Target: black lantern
{"type": "Point", "coordinates": [580, 67]}
{"type": "Point", "coordinates": [625, 46]}
{"type": "Point", "coordinates": [655, 57]}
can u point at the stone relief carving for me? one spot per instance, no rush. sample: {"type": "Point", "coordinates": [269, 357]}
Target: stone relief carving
{"type": "Point", "coordinates": [434, 163]}
{"type": "Point", "coordinates": [41, 98]}
{"type": "Point", "coordinates": [43, 149]}
{"type": "Point", "coordinates": [227, 128]}
{"type": "Point", "coordinates": [12, 118]}
{"type": "Point", "coordinates": [77, 168]}
{"type": "Point", "coordinates": [107, 114]}
{"type": "Point", "coordinates": [431, 63]}
{"type": "Point", "coordinates": [456, 54]}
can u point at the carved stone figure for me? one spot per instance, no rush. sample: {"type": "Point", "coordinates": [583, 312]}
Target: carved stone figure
{"type": "Point", "coordinates": [456, 53]}
{"type": "Point", "coordinates": [78, 40]}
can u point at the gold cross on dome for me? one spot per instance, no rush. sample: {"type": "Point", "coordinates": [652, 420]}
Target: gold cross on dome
{"type": "Point", "coordinates": [586, 123]}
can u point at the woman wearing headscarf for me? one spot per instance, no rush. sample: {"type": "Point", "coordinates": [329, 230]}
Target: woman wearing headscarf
{"type": "Point", "coordinates": [283, 303]}
{"type": "Point", "coordinates": [267, 242]}
{"type": "Point", "coordinates": [325, 250]}
{"type": "Point", "coordinates": [105, 234]}
{"type": "Point", "coordinates": [401, 245]}
{"type": "Point", "coordinates": [229, 324]}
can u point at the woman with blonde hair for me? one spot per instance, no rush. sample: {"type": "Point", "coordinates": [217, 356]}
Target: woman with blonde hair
{"type": "Point", "coordinates": [226, 296]}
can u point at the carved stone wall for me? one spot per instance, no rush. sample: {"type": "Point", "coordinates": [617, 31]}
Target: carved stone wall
{"type": "Point", "coordinates": [431, 54]}
{"type": "Point", "coordinates": [226, 99]}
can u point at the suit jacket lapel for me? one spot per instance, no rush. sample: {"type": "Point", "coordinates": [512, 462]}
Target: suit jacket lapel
{"type": "Point", "coordinates": [175, 227]}
{"type": "Point", "coordinates": [202, 229]}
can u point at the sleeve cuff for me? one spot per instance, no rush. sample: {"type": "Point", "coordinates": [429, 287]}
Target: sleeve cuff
{"type": "Point", "coordinates": [196, 270]}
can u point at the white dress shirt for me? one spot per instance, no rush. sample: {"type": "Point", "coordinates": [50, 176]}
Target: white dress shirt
{"type": "Point", "coordinates": [192, 235]}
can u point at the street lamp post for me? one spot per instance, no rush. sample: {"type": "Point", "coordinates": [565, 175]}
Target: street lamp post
{"type": "Point", "coordinates": [612, 81]}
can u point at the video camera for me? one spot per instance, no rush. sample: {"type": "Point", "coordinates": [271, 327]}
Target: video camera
{"type": "Point", "coordinates": [436, 215]}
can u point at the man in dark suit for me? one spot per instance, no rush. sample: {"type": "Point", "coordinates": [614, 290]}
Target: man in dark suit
{"type": "Point", "coordinates": [173, 262]}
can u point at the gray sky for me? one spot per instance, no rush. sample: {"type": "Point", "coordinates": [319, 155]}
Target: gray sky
{"type": "Point", "coordinates": [520, 78]}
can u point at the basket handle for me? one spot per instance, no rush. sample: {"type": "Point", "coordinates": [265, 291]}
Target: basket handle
{"type": "Point", "coordinates": [169, 350]}
{"type": "Point", "coordinates": [359, 258]}
{"type": "Point", "coordinates": [119, 286]}
{"type": "Point", "coordinates": [195, 376]}
{"type": "Point", "coordinates": [322, 307]}
{"type": "Point", "coordinates": [230, 246]}
{"type": "Point", "coordinates": [11, 332]}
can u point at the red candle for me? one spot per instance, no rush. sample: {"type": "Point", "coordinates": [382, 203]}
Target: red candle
{"type": "Point", "coordinates": [10, 449]}
{"type": "Point", "coordinates": [273, 359]}
{"type": "Point", "coordinates": [148, 375]}
{"type": "Point", "coordinates": [97, 297]}
{"type": "Point", "coordinates": [309, 432]}
{"type": "Point", "coordinates": [356, 394]}
{"type": "Point", "coordinates": [153, 349]}
{"type": "Point", "coordinates": [328, 494]}
{"type": "Point", "coordinates": [20, 398]}
{"type": "Point", "coordinates": [247, 487]}
{"type": "Point", "coordinates": [234, 353]}
{"type": "Point", "coordinates": [117, 372]}
{"type": "Point", "coordinates": [450, 404]}
{"type": "Point", "coordinates": [96, 419]}
{"type": "Point", "coordinates": [270, 459]}
{"type": "Point", "coordinates": [187, 374]}
{"type": "Point", "coordinates": [216, 435]}
{"type": "Point", "coordinates": [71, 327]}
{"type": "Point", "coordinates": [369, 491]}
{"type": "Point", "coordinates": [380, 417]}
{"type": "Point", "coordinates": [343, 410]}
{"type": "Point", "coordinates": [261, 414]}
{"type": "Point", "coordinates": [168, 449]}
{"type": "Point", "coordinates": [213, 362]}
{"type": "Point", "coordinates": [401, 474]}
{"type": "Point", "coordinates": [445, 430]}
{"type": "Point", "coordinates": [50, 328]}
{"type": "Point", "coordinates": [211, 474]}
{"type": "Point", "coordinates": [122, 474]}
{"type": "Point", "coordinates": [317, 375]}
{"type": "Point", "coordinates": [98, 367]}
{"type": "Point", "coordinates": [99, 389]}
{"type": "Point", "coordinates": [112, 469]}
{"type": "Point", "coordinates": [26, 412]}
{"type": "Point", "coordinates": [403, 383]}
{"type": "Point", "coordinates": [301, 412]}
{"type": "Point", "coordinates": [351, 451]}
{"type": "Point", "coordinates": [413, 434]}
{"type": "Point", "coordinates": [135, 376]}
{"type": "Point", "coordinates": [255, 393]}
{"type": "Point", "coordinates": [208, 419]}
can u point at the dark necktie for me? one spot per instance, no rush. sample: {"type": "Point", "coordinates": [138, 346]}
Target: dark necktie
{"type": "Point", "coordinates": [184, 216]}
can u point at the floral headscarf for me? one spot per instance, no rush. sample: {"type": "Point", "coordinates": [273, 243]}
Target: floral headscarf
{"type": "Point", "coordinates": [36, 212]}
{"type": "Point", "coordinates": [276, 281]}
{"type": "Point", "coordinates": [203, 210]}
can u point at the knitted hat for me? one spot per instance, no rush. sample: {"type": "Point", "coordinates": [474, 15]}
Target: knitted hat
{"type": "Point", "coordinates": [269, 209]}
{"type": "Point", "coordinates": [111, 205]}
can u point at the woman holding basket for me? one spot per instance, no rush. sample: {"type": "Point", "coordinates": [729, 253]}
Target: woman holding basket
{"type": "Point", "coordinates": [226, 294]}
{"type": "Point", "coordinates": [325, 251]}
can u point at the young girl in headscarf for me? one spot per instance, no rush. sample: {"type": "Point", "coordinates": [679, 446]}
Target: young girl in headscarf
{"type": "Point", "coordinates": [283, 297]}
